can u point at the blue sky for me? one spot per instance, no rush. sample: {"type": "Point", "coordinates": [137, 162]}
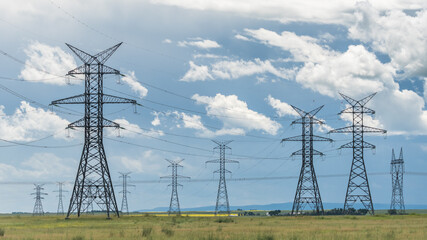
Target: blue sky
{"type": "Point", "coordinates": [203, 70]}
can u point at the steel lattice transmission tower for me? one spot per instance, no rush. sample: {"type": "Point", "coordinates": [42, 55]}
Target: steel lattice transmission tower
{"type": "Point", "coordinates": [358, 185]}
{"type": "Point", "coordinates": [124, 192]}
{"type": "Point", "coordinates": [174, 203]}
{"type": "Point", "coordinates": [397, 170]}
{"type": "Point", "coordinates": [222, 204]}
{"type": "Point", "coordinates": [307, 193]}
{"type": "Point", "coordinates": [93, 163]}
{"type": "Point", "coordinates": [60, 191]}
{"type": "Point", "coordinates": [38, 206]}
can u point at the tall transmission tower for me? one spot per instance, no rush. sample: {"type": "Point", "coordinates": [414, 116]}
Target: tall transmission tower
{"type": "Point", "coordinates": [38, 206]}
{"type": "Point", "coordinates": [222, 204]}
{"type": "Point", "coordinates": [358, 185]}
{"type": "Point", "coordinates": [93, 162]}
{"type": "Point", "coordinates": [60, 191]}
{"type": "Point", "coordinates": [124, 192]}
{"type": "Point", "coordinates": [174, 203]}
{"type": "Point", "coordinates": [307, 193]}
{"type": "Point", "coordinates": [397, 170]}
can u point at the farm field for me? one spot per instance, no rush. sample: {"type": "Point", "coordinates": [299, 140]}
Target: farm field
{"type": "Point", "coordinates": [413, 226]}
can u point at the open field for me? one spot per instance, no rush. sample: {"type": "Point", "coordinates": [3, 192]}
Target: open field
{"type": "Point", "coordinates": [412, 226]}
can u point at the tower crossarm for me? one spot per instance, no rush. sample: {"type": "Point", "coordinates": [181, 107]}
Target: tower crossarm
{"type": "Point", "coordinates": [81, 124]}
{"type": "Point", "coordinates": [89, 69]}
{"type": "Point", "coordinates": [301, 152]}
{"type": "Point", "coordinates": [114, 99]}
{"type": "Point", "coordinates": [352, 145]}
{"type": "Point", "coordinates": [82, 55]}
{"type": "Point", "coordinates": [300, 138]}
{"type": "Point", "coordinates": [357, 109]}
{"type": "Point", "coordinates": [354, 102]}
{"type": "Point", "coordinates": [103, 56]}
{"type": "Point", "coordinates": [78, 99]}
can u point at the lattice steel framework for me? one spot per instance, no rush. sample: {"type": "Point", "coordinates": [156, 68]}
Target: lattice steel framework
{"type": "Point", "coordinates": [60, 191]}
{"type": "Point", "coordinates": [174, 202]}
{"type": "Point", "coordinates": [358, 185]}
{"type": "Point", "coordinates": [397, 170]}
{"type": "Point", "coordinates": [307, 193]}
{"type": "Point", "coordinates": [222, 204]}
{"type": "Point", "coordinates": [93, 163]}
{"type": "Point", "coordinates": [124, 192]}
{"type": "Point", "coordinates": [38, 206]}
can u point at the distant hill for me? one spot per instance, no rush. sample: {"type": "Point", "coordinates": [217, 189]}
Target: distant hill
{"type": "Point", "coordinates": [282, 206]}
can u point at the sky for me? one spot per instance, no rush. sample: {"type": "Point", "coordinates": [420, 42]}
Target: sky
{"type": "Point", "coordinates": [203, 70]}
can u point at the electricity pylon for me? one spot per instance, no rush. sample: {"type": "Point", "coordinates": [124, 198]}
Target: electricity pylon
{"type": "Point", "coordinates": [307, 192]}
{"type": "Point", "coordinates": [38, 206]}
{"type": "Point", "coordinates": [124, 192]}
{"type": "Point", "coordinates": [93, 162]}
{"type": "Point", "coordinates": [397, 170]}
{"type": "Point", "coordinates": [358, 185]}
{"type": "Point", "coordinates": [174, 203]}
{"type": "Point", "coordinates": [222, 204]}
{"type": "Point", "coordinates": [60, 196]}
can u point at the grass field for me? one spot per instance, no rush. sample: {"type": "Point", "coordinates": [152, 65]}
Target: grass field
{"type": "Point", "coordinates": [412, 226]}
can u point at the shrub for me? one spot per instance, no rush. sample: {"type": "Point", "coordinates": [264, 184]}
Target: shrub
{"type": "Point", "coordinates": [78, 238]}
{"type": "Point", "coordinates": [146, 231]}
{"type": "Point", "coordinates": [265, 237]}
{"type": "Point", "coordinates": [167, 231]}
{"type": "Point", "coordinates": [224, 220]}
{"type": "Point", "coordinates": [1, 232]}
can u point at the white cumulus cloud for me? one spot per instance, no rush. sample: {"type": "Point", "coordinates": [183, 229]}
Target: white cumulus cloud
{"type": "Point", "coordinates": [131, 80]}
{"type": "Point", "coordinates": [282, 108]}
{"type": "Point", "coordinates": [200, 43]}
{"type": "Point", "coordinates": [45, 63]}
{"type": "Point", "coordinates": [235, 114]}
{"type": "Point", "coordinates": [229, 69]}
{"type": "Point", "coordinates": [29, 123]}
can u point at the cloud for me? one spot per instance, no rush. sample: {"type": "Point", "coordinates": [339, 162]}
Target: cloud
{"type": "Point", "coordinates": [195, 122]}
{"type": "Point", "coordinates": [331, 12]}
{"type": "Point", "coordinates": [282, 108]}
{"type": "Point", "coordinates": [44, 59]}
{"type": "Point", "coordinates": [38, 166]}
{"type": "Point", "coordinates": [200, 43]}
{"type": "Point", "coordinates": [235, 114]}
{"type": "Point", "coordinates": [131, 130]}
{"type": "Point", "coordinates": [228, 69]}
{"type": "Point", "coordinates": [402, 37]}
{"type": "Point", "coordinates": [196, 73]}
{"type": "Point", "coordinates": [355, 72]}
{"type": "Point", "coordinates": [167, 40]}
{"type": "Point", "coordinates": [131, 80]}
{"type": "Point", "coordinates": [28, 123]}
{"type": "Point", "coordinates": [147, 163]}
{"type": "Point", "coordinates": [241, 37]}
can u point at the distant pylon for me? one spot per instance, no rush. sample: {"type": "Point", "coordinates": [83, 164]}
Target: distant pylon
{"type": "Point", "coordinates": [60, 196]}
{"type": "Point", "coordinates": [174, 202]}
{"type": "Point", "coordinates": [124, 192]}
{"type": "Point", "coordinates": [397, 170]}
{"type": "Point", "coordinates": [307, 192]}
{"type": "Point", "coordinates": [358, 185]}
{"type": "Point", "coordinates": [222, 204]}
{"type": "Point", "coordinates": [93, 162]}
{"type": "Point", "coordinates": [38, 206]}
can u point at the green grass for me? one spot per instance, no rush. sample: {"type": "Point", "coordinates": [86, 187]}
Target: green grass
{"type": "Point", "coordinates": [413, 226]}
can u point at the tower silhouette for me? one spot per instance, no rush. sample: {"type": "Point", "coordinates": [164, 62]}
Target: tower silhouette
{"type": "Point", "coordinates": [174, 202]}
{"type": "Point", "coordinates": [222, 204]}
{"type": "Point", "coordinates": [124, 192]}
{"type": "Point", "coordinates": [38, 206]}
{"type": "Point", "coordinates": [60, 196]}
{"type": "Point", "coordinates": [397, 170]}
{"type": "Point", "coordinates": [307, 193]}
{"type": "Point", "coordinates": [358, 185]}
{"type": "Point", "coordinates": [93, 162]}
